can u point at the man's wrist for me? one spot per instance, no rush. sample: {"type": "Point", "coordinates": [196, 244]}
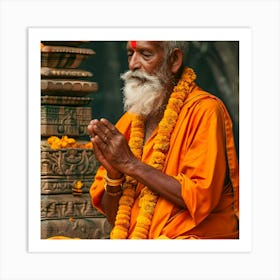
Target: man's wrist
{"type": "Point", "coordinates": [114, 182]}
{"type": "Point", "coordinates": [115, 175]}
{"type": "Point", "coordinates": [113, 190]}
{"type": "Point", "coordinates": [132, 167]}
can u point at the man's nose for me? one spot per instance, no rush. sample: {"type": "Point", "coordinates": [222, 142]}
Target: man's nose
{"type": "Point", "coordinates": [134, 63]}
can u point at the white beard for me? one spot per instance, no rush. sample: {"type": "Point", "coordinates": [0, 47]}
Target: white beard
{"type": "Point", "coordinates": [144, 94]}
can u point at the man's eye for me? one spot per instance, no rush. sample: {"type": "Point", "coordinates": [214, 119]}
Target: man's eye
{"type": "Point", "coordinates": [146, 54]}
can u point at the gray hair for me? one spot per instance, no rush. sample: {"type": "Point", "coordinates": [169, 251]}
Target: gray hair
{"type": "Point", "coordinates": [170, 45]}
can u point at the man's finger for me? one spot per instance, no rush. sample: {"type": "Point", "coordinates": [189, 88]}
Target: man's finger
{"type": "Point", "coordinates": [100, 130]}
{"type": "Point", "coordinates": [109, 125]}
{"type": "Point", "coordinates": [98, 146]}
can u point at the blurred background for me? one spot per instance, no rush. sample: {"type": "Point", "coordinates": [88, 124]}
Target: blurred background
{"type": "Point", "coordinates": [216, 64]}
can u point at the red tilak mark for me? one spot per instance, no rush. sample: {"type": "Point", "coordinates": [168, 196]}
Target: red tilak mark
{"type": "Point", "coordinates": [133, 44]}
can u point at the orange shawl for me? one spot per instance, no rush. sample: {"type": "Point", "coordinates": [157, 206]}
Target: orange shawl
{"type": "Point", "coordinates": [202, 158]}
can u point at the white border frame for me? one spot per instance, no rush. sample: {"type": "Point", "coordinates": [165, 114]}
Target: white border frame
{"type": "Point", "coordinates": [243, 35]}
{"type": "Point", "coordinates": [262, 262]}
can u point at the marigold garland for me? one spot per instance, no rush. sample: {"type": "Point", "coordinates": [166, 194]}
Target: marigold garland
{"type": "Point", "coordinates": [148, 199]}
{"type": "Point", "coordinates": [66, 142]}
{"type": "Point", "coordinates": [136, 142]}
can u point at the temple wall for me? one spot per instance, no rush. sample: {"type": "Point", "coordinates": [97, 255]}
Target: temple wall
{"type": "Point", "coordinates": [66, 207]}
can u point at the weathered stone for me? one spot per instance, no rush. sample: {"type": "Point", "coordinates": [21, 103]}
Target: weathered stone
{"type": "Point", "coordinates": [62, 120]}
{"type": "Point", "coordinates": [62, 185]}
{"type": "Point", "coordinates": [87, 228]}
{"type": "Point", "coordinates": [74, 163]}
{"type": "Point", "coordinates": [47, 72]}
{"type": "Point", "coordinates": [64, 100]}
{"type": "Point", "coordinates": [67, 206]}
{"type": "Point", "coordinates": [67, 87]}
{"type": "Point", "coordinates": [63, 56]}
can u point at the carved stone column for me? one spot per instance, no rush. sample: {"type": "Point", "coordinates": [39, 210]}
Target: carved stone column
{"type": "Point", "coordinates": [64, 112]}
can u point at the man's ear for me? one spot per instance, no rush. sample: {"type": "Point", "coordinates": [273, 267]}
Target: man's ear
{"type": "Point", "coordinates": [176, 60]}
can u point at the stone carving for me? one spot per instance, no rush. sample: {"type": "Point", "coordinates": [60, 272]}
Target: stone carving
{"type": "Point", "coordinates": [62, 120]}
{"type": "Point", "coordinates": [63, 114]}
{"type": "Point", "coordinates": [66, 206]}
{"type": "Point", "coordinates": [62, 185]}
{"type": "Point", "coordinates": [64, 100]}
{"type": "Point", "coordinates": [64, 209]}
{"type": "Point", "coordinates": [67, 87]}
{"type": "Point", "coordinates": [47, 72]}
{"type": "Point", "coordinates": [63, 56]}
{"type": "Point", "coordinates": [88, 228]}
{"type": "Point", "coordinates": [65, 162]}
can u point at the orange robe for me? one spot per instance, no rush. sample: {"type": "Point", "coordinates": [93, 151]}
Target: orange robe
{"type": "Point", "coordinates": [202, 158]}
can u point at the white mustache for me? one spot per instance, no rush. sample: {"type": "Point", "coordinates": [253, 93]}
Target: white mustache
{"type": "Point", "coordinates": [138, 75]}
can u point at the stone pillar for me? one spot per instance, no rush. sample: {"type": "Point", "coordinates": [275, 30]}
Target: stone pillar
{"type": "Point", "coordinates": [64, 112]}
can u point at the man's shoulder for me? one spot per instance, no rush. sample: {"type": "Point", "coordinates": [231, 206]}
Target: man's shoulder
{"type": "Point", "coordinates": [199, 95]}
{"type": "Point", "coordinates": [202, 101]}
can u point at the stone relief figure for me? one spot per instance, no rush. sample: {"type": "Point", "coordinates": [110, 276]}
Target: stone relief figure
{"type": "Point", "coordinates": [82, 228]}
{"type": "Point", "coordinates": [67, 162]}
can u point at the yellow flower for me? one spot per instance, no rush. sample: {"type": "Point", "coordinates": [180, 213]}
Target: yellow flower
{"type": "Point", "coordinates": [78, 184]}
{"type": "Point", "coordinates": [159, 157]}
{"type": "Point", "coordinates": [87, 145]}
{"type": "Point", "coordinates": [122, 221]}
{"type": "Point", "coordinates": [126, 200]}
{"type": "Point", "coordinates": [118, 232]}
{"type": "Point", "coordinates": [66, 142]}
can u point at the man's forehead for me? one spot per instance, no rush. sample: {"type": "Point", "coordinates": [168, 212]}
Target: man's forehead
{"type": "Point", "coordinates": [143, 44]}
{"type": "Point", "coordinates": [133, 44]}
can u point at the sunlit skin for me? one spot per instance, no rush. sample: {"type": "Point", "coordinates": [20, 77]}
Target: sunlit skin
{"type": "Point", "coordinates": [110, 146]}
{"type": "Point", "coordinates": [146, 56]}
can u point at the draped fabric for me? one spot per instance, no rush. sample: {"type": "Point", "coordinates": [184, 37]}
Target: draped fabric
{"type": "Point", "coordinates": [202, 157]}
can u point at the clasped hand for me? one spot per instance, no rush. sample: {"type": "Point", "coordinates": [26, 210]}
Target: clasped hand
{"type": "Point", "coordinates": [110, 147]}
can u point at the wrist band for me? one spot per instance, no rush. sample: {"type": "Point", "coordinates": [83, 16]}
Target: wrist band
{"type": "Point", "coordinates": [112, 193]}
{"type": "Point", "coordinates": [114, 182]}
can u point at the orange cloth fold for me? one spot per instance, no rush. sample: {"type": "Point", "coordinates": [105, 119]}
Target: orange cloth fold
{"type": "Point", "coordinates": [202, 158]}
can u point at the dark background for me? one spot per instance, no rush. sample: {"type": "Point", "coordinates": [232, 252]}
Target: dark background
{"type": "Point", "coordinates": [216, 64]}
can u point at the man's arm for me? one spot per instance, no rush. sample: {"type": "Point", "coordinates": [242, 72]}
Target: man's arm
{"type": "Point", "coordinates": [112, 151]}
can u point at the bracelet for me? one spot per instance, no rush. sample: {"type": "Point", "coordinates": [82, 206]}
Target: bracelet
{"type": "Point", "coordinates": [114, 182]}
{"type": "Point", "coordinates": [112, 193]}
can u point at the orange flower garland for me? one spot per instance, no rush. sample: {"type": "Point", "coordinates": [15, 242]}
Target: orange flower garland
{"type": "Point", "coordinates": [136, 142]}
{"type": "Point", "coordinates": [148, 199]}
{"type": "Point", "coordinates": [66, 142]}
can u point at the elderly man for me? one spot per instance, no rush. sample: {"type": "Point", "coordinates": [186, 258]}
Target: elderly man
{"type": "Point", "coordinates": [168, 167]}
